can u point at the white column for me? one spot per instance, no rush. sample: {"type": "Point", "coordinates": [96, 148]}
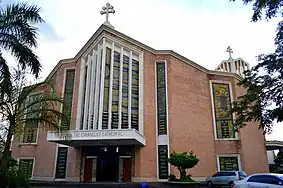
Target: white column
{"type": "Point", "coordinates": [102, 84]}
{"type": "Point", "coordinates": [233, 67]}
{"type": "Point", "coordinates": [120, 89]}
{"type": "Point", "coordinates": [92, 82]}
{"type": "Point", "coordinates": [80, 97]}
{"type": "Point", "coordinates": [97, 88]}
{"type": "Point", "coordinates": [140, 121]}
{"type": "Point", "coordinates": [87, 92]}
{"type": "Point", "coordinates": [130, 91]}
{"type": "Point", "coordinates": [110, 86]}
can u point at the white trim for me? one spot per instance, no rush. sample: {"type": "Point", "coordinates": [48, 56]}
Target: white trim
{"type": "Point", "coordinates": [92, 89]}
{"type": "Point", "coordinates": [33, 158]}
{"type": "Point", "coordinates": [110, 86]}
{"type": "Point", "coordinates": [102, 84]}
{"type": "Point", "coordinates": [167, 114]}
{"type": "Point", "coordinates": [141, 94]}
{"type": "Point", "coordinates": [121, 88]}
{"type": "Point", "coordinates": [97, 88]}
{"type": "Point", "coordinates": [80, 97]}
{"type": "Point", "coordinates": [89, 63]}
{"type": "Point", "coordinates": [130, 91]}
{"type": "Point", "coordinates": [229, 155]}
{"type": "Point", "coordinates": [91, 157]}
{"type": "Point", "coordinates": [213, 111]}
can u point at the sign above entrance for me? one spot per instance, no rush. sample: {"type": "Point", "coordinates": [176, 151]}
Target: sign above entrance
{"type": "Point", "coordinates": [79, 137]}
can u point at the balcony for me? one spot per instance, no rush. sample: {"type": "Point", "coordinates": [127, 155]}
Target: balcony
{"type": "Point", "coordinates": [77, 138]}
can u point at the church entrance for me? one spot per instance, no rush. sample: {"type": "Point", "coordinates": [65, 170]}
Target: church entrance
{"type": "Point", "coordinates": [108, 164]}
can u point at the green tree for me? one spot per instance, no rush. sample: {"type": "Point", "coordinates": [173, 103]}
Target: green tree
{"type": "Point", "coordinates": [18, 36]}
{"type": "Point", "coordinates": [25, 106]}
{"type": "Point", "coordinates": [183, 161]}
{"type": "Point", "coordinates": [262, 101]}
{"type": "Point", "coordinates": [279, 159]}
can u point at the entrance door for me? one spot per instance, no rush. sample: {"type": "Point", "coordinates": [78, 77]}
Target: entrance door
{"type": "Point", "coordinates": [88, 170]}
{"type": "Point", "coordinates": [127, 170]}
{"type": "Point", "coordinates": [107, 168]}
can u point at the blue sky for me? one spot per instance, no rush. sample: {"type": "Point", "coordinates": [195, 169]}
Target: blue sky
{"type": "Point", "coordinates": [200, 30]}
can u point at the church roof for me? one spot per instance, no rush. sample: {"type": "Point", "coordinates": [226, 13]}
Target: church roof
{"type": "Point", "coordinates": [106, 30]}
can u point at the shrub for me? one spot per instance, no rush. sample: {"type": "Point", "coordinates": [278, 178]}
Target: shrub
{"type": "Point", "coordinates": [172, 177]}
{"type": "Point", "coordinates": [183, 161]}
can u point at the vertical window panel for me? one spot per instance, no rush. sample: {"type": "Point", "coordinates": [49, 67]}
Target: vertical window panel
{"type": "Point", "coordinates": [83, 100]}
{"type": "Point", "coordinates": [68, 97]}
{"type": "Point", "coordinates": [106, 89]}
{"type": "Point", "coordinates": [135, 95]}
{"type": "Point", "coordinates": [222, 109]}
{"type": "Point", "coordinates": [26, 167]}
{"type": "Point", "coordinates": [163, 161]}
{"type": "Point", "coordinates": [125, 95]}
{"type": "Point", "coordinates": [61, 163]}
{"type": "Point", "coordinates": [115, 91]}
{"type": "Point", "coordinates": [161, 98]}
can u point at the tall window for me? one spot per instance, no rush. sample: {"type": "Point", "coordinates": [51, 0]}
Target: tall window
{"type": "Point", "coordinates": [32, 115]}
{"type": "Point", "coordinates": [115, 91]}
{"type": "Point", "coordinates": [26, 167]}
{"type": "Point", "coordinates": [222, 109]}
{"type": "Point", "coordinates": [125, 94]}
{"type": "Point", "coordinates": [106, 89]}
{"type": "Point", "coordinates": [228, 163]}
{"type": "Point", "coordinates": [61, 163]}
{"type": "Point", "coordinates": [163, 161]}
{"type": "Point", "coordinates": [68, 97]}
{"type": "Point", "coordinates": [83, 99]}
{"type": "Point", "coordinates": [135, 95]}
{"type": "Point", "coordinates": [161, 98]}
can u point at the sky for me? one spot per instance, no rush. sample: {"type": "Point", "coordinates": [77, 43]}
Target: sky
{"type": "Point", "coordinates": [200, 30]}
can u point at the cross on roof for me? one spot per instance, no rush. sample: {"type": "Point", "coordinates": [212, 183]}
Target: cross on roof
{"type": "Point", "coordinates": [230, 51]}
{"type": "Point", "coordinates": [107, 10]}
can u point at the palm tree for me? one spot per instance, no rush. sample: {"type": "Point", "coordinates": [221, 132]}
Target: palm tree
{"type": "Point", "coordinates": [18, 36]}
{"type": "Point", "coordinates": [37, 104]}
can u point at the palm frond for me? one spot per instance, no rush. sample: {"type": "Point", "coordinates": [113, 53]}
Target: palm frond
{"type": "Point", "coordinates": [5, 78]}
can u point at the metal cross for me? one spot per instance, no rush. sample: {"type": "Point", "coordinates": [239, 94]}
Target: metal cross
{"type": "Point", "coordinates": [107, 10]}
{"type": "Point", "coordinates": [230, 51]}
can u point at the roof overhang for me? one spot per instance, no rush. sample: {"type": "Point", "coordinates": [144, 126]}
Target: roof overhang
{"type": "Point", "coordinates": [77, 138]}
{"type": "Point", "coordinates": [274, 145]}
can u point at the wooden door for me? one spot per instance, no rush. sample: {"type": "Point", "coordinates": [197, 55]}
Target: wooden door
{"type": "Point", "coordinates": [127, 170]}
{"type": "Point", "coordinates": [88, 170]}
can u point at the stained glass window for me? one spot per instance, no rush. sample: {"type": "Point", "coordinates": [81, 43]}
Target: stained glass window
{"type": "Point", "coordinates": [125, 94]}
{"type": "Point", "coordinates": [26, 166]}
{"type": "Point", "coordinates": [68, 97]}
{"type": "Point", "coordinates": [32, 114]}
{"type": "Point", "coordinates": [222, 109]}
{"type": "Point", "coordinates": [61, 163]}
{"type": "Point", "coordinates": [106, 89]}
{"type": "Point", "coordinates": [161, 98]}
{"type": "Point", "coordinates": [115, 91]}
{"type": "Point", "coordinates": [163, 161]}
{"type": "Point", "coordinates": [135, 95]}
{"type": "Point", "coordinates": [228, 163]}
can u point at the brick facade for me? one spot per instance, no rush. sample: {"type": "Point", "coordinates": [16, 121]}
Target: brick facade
{"type": "Point", "coordinates": [190, 122]}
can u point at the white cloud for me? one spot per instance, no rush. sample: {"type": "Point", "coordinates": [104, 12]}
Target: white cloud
{"type": "Point", "coordinates": [199, 31]}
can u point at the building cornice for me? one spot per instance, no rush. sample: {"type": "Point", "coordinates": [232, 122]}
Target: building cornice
{"type": "Point", "coordinates": [109, 31]}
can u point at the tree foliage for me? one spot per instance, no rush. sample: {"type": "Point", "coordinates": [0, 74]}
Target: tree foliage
{"type": "Point", "coordinates": [37, 104]}
{"type": "Point", "coordinates": [18, 35]}
{"type": "Point", "coordinates": [263, 100]}
{"type": "Point", "coordinates": [183, 161]}
{"type": "Point", "coordinates": [279, 159]}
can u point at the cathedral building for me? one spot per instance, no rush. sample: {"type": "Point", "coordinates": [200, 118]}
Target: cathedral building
{"type": "Point", "coordinates": [131, 106]}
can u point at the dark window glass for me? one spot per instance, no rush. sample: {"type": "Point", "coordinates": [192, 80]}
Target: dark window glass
{"type": "Point", "coordinates": [61, 163]}
{"type": "Point", "coordinates": [135, 95]}
{"type": "Point", "coordinates": [125, 94]}
{"type": "Point", "coordinates": [228, 173]}
{"type": "Point", "coordinates": [163, 161]}
{"type": "Point", "coordinates": [115, 91]}
{"type": "Point", "coordinates": [161, 98]}
{"type": "Point", "coordinates": [228, 163]}
{"type": "Point", "coordinates": [242, 174]}
{"type": "Point", "coordinates": [26, 166]}
{"type": "Point", "coordinates": [68, 97]}
{"type": "Point", "coordinates": [222, 109]}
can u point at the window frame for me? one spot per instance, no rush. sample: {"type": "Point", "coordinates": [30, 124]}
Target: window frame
{"type": "Point", "coordinates": [229, 155]}
{"type": "Point", "coordinates": [211, 82]}
{"type": "Point", "coordinates": [37, 132]}
{"type": "Point", "coordinates": [28, 158]}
